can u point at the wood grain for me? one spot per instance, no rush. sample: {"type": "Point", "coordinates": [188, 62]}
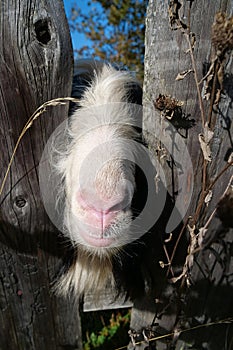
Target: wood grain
{"type": "Point", "coordinates": [35, 66]}
{"type": "Point", "coordinates": [210, 295]}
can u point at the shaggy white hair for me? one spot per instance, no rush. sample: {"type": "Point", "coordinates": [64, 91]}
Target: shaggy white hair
{"type": "Point", "coordinates": [98, 165]}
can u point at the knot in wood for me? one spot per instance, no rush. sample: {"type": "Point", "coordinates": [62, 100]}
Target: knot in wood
{"type": "Point", "coordinates": [20, 202]}
{"type": "Point", "coordinates": [42, 29]}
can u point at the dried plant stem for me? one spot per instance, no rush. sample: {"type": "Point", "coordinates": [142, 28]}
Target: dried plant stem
{"type": "Point", "coordinates": [213, 91]}
{"type": "Point", "coordinates": [214, 211]}
{"type": "Point", "coordinates": [206, 121]}
{"type": "Point", "coordinates": [187, 35]}
{"type": "Point", "coordinates": [204, 176]}
{"type": "Point", "coordinates": [201, 105]}
{"type": "Point", "coordinates": [210, 187]}
{"type": "Point", "coordinates": [169, 261]}
{"type": "Point", "coordinates": [34, 116]}
{"type": "Point", "coordinates": [208, 73]}
{"type": "Point", "coordinates": [203, 192]}
{"type": "Point", "coordinates": [224, 321]}
{"type": "Point", "coordinates": [176, 245]}
{"type": "Point", "coordinates": [205, 227]}
{"type": "Point", "coordinates": [219, 175]}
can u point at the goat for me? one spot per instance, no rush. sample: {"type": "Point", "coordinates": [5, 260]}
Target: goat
{"type": "Point", "coordinates": [104, 188]}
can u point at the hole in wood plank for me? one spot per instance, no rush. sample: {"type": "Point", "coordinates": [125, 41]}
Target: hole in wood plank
{"type": "Point", "coordinates": [42, 30]}
{"type": "Point", "coordinates": [20, 202]}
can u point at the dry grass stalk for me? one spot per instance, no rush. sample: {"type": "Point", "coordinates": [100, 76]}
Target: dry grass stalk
{"type": "Point", "coordinates": [38, 112]}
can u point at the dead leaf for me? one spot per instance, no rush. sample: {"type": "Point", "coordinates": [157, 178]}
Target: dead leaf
{"type": "Point", "coordinates": [205, 148]}
{"type": "Point", "coordinates": [220, 75]}
{"type": "Point", "coordinates": [183, 74]}
{"type": "Point", "coordinates": [169, 238]}
{"type": "Point", "coordinates": [174, 17]}
{"type": "Point", "coordinates": [210, 71]}
{"type": "Point", "coordinates": [176, 334]}
{"type": "Point", "coordinates": [207, 86]}
{"type": "Point", "coordinates": [208, 197]}
{"type": "Point", "coordinates": [230, 158]}
{"type": "Point", "coordinates": [204, 140]}
{"type": "Point", "coordinates": [189, 258]}
{"type": "Point", "coordinates": [201, 235]}
{"type": "Point", "coordinates": [161, 263]}
{"type": "Point", "coordinates": [218, 96]}
{"type": "Point", "coordinates": [193, 40]}
{"type": "Point", "coordinates": [208, 133]}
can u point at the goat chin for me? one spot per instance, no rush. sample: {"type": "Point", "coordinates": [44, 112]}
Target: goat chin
{"type": "Point", "coordinates": [98, 172]}
{"type": "Point", "coordinates": [89, 273]}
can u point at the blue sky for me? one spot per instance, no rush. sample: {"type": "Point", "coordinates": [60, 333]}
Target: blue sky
{"type": "Point", "coordinates": [78, 39]}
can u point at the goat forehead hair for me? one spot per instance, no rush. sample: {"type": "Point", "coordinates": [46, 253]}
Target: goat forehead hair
{"type": "Point", "coordinates": [106, 98]}
{"type": "Point", "coordinates": [120, 116]}
{"type": "Point", "coordinates": [108, 85]}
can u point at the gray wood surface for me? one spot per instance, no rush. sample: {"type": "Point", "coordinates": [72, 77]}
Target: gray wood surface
{"type": "Point", "coordinates": [209, 297]}
{"type": "Point", "coordinates": [35, 66]}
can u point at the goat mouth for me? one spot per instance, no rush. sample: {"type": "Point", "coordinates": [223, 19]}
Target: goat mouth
{"type": "Point", "coordinates": [95, 240]}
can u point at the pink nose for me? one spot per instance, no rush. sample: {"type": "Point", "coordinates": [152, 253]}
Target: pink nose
{"type": "Point", "coordinates": [101, 212]}
{"type": "Point", "coordinates": [101, 218]}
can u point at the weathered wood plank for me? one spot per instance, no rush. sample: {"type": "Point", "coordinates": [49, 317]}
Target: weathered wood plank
{"type": "Point", "coordinates": [35, 66]}
{"type": "Point", "coordinates": [106, 302]}
{"type": "Point", "coordinates": [210, 296]}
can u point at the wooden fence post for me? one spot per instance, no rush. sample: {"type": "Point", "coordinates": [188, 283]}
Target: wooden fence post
{"type": "Point", "coordinates": [209, 297]}
{"type": "Point", "coordinates": [35, 66]}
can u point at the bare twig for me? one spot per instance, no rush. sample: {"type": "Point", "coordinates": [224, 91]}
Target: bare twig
{"type": "Point", "coordinates": [194, 67]}
{"type": "Point", "coordinates": [209, 188]}
{"type": "Point", "coordinates": [205, 227]}
{"type": "Point", "coordinates": [189, 258]}
{"type": "Point", "coordinates": [219, 175]}
{"type": "Point", "coordinates": [213, 93]}
{"type": "Point", "coordinates": [169, 260]}
{"type": "Point", "coordinates": [203, 193]}
{"type": "Point", "coordinates": [228, 320]}
{"type": "Point", "coordinates": [176, 244]}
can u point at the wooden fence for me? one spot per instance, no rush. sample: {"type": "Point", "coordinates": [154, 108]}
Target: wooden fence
{"type": "Point", "coordinates": [36, 66]}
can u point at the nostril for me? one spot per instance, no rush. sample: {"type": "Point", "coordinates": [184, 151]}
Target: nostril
{"type": "Point", "coordinates": [100, 205]}
{"type": "Point", "coordinates": [120, 205]}
{"type": "Point", "coordinates": [99, 211]}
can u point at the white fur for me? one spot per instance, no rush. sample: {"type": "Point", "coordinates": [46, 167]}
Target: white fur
{"type": "Point", "coordinates": [99, 129]}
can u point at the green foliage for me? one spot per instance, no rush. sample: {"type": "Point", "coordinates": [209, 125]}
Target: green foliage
{"type": "Point", "coordinates": [116, 30]}
{"type": "Point", "coordinates": [110, 335]}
